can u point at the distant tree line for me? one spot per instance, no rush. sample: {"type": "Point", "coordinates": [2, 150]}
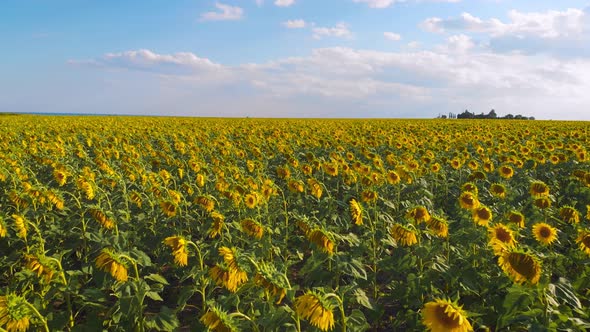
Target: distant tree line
{"type": "Point", "coordinates": [491, 115]}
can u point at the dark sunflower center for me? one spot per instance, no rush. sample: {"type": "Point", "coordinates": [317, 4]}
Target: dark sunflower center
{"type": "Point", "coordinates": [503, 235]}
{"type": "Point", "coordinates": [586, 241]}
{"type": "Point", "coordinates": [545, 232]}
{"type": "Point", "coordinates": [523, 264]}
{"type": "Point", "coordinates": [483, 214]}
{"type": "Point", "coordinates": [446, 320]}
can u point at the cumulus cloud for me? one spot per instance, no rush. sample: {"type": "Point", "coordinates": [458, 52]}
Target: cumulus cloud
{"type": "Point", "coordinates": [452, 77]}
{"type": "Point", "coordinates": [387, 3]}
{"type": "Point", "coordinates": [392, 36]}
{"type": "Point", "coordinates": [340, 30]}
{"type": "Point", "coordinates": [549, 25]}
{"type": "Point", "coordinates": [224, 13]}
{"type": "Point", "coordinates": [294, 24]}
{"type": "Point", "coordinates": [284, 3]}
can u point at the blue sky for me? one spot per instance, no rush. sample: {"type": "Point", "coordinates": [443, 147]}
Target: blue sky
{"type": "Point", "coordinates": [296, 58]}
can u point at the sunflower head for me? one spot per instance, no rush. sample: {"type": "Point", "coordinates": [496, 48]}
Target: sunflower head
{"type": "Point", "coordinates": [356, 212]}
{"type": "Point", "coordinates": [108, 261]}
{"type": "Point", "coordinates": [501, 238]}
{"type": "Point", "coordinates": [542, 202]}
{"type": "Point", "coordinates": [315, 188]}
{"type": "Point", "coordinates": [215, 319]}
{"type": "Point", "coordinates": [405, 235]}
{"type": "Point", "coordinates": [482, 215]}
{"type": "Point", "coordinates": [470, 187]}
{"type": "Point", "coordinates": [506, 171]}
{"type": "Point", "coordinates": [520, 266]}
{"type": "Point", "coordinates": [315, 308]}
{"type": "Point", "coordinates": [442, 315]}
{"type": "Point", "coordinates": [393, 177]}
{"type": "Point", "coordinates": [369, 196]}
{"type": "Point", "coordinates": [179, 251]}
{"type": "Point", "coordinates": [419, 214]}
{"type": "Point", "coordinates": [322, 239]}
{"type": "Point", "coordinates": [438, 226]}
{"type": "Point", "coordinates": [569, 214]}
{"type": "Point", "coordinates": [583, 240]}
{"type": "Point", "coordinates": [516, 218]}
{"type": "Point", "coordinates": [544, 233]}
{"type": "Point", "coordinates": [15, 313]}
{"type": "Point", "coordinates": [252, 228]}
{"type": "Point", "coordinates": [498, 190]}
{"type": "Point", "coordinates": [539, 189]}
{"type": "Point", "coordinates": [468, 200]}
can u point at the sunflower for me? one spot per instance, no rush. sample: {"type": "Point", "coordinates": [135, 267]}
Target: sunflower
{"type": "Point", "coordinates": [482, 215]}
{"type": "Point", "coordinates": [200, 180]}
{"type": "Point", "coordinates": [477, 175]}
{"type": "Point", "coordinates": [435, 168]}
{"type": "Point", "coordinates": [315, 187]}
{"type": "Point", "coordinates": [251, 200]}
{"type": "Point", "coordinates": [296, 186]}
{"type": "Point", "coordinates": [205, 202]}
{"type": "Point", "coordinates": [498, 190]}
{"type": "Point", "coordinates": [315, 308]}
{"type": "Point", "coordinates": [321, 239]}
{"type": "Point", "coordinates": [419, 214]}
{"type": "Point", "coordinates": [443, 315]}
{"type": "Point", "coordinates": [368, 196]}
{"type": "Point", "coordinates": [331, 169]}
{"type": "Point", "coordinates": [40, 266]}
{"type": "Point", "coordinates": [169, 208]}
{"type": "Point", "coordinates": [86, 187]}
{"type": "Point", "coordinates": [3, 229]}
{"type": "Point", "coordinates": [438, 226]}
{"type": "Point", "coordinates": [569, 214]}
{"type": "Point", "coordinates": [271, 280]}
{"type": "Point", "coordinates": [470, 187]}
{"type": "Point", "coordinates": [516, 218]}
{"type": "Point", "coordinates": [544, 233]}
{"type": "Point", "coordinates": [404, 235]}
{"type": "Point", "coordinates": [583, 240]}
{"type": "Point", "coordinates": [542, 203]}
{"type": "Point", "coordinates": [217, 320]}
{"type": "Point", "coordinates": [393, 178]}
{"type": "Point", "coordinates": [55, 199]}
{"type": "Point", "coordinates": [102, 218]}
{"type": "Point", "coordinates": [108, 261]}
{"type": "Point", "coordinates": [135, 198]}
{"type": "Point", "coordinates": [501, 238]}
{"type": "Point", "coordinates": [488, 166]}
{"type": "Point", "coordinates": [14, 313]}
{"type": "Point", "coordinates": [539, 189]}
{"type": "Point", "coordinates": [218, 224]}
{"type": "Point", "coordinates": [21, 225]}
{"type": "Point", "coordinates": [178, 246]}
{"type": "Point", "coordinates": [520, 266]}
{"type": "Point", "coordinates": [468, 200]}
{"type": "Point", "coordinates": [283, 172]}
{"type": "Point", "coordinates": [356, 212]}
{"type": "Point", "coordinates": [506, 171]}
{"type": "Point", "coordinates": [60, 177]}
{"type": "Point", "coordinates": [252, 228]}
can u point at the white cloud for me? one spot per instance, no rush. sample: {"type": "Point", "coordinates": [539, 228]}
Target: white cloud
{"type": "Point", "coordinates": [225, 13]}
{"type": "Point", "coordinates": [377, 3]}
{"type": "Point", "coordinates": [284, 3]}
{"type": "Point", "coordinates": [392, 36]}
{"type": "Point", "coordinates": [452, 77]}
{"type": "Point", "coordinates": [340, 30]}
{"type": "Point", "coordinates": [259, 3]}
{"type": "Point", "coordinates": [294, 24]}
{"type": "Point", "coordinates": [551, 24]}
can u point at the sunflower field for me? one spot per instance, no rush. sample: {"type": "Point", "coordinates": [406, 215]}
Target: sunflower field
{"type": "Point", "coordinates": [193, 224]}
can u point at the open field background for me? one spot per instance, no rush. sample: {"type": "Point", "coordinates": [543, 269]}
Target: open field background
{"type": "Point", "coordinates": [138, 223]}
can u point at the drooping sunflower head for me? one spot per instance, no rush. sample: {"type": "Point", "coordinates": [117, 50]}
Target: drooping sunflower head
{"type": "Point", "coordinates": [468, 200]}
{"type": "Point", "coordinates": [296, 186]}
{"type": "Point", "coordinates": [21, 225]}
{"type": "Point", "coordinates": [217, 225]}
{"type": "Point", "coordinates": [215, 319]}
{"type": "Point", "coordinates": [315, 308]}
{"type": "Point", "coordinates": [322, 239]}
{"type": "Point", "coordinates": [356, 212]}
{"type": "Point", "coordinates": [179, 251]}
{"type": "Point", "coordinates": [404, 235]}
{"type": "Point", "coordinates": [169, 208]}
{"type": "Point", "coordinates": [419, 214]}
{"type": "Point", "coordinates": [442, 315]}
{"type": "Point", "coordinates": [207, 203]}
{"type": "Point", "coordinates": [438, 226]}
{"type": "Point", "coordinates": [583, 240]}
{"type": "Point", "coordinates": [569, 214]}
{"type": "Point", "coordinates": [369, 196]}
{"type": "Point", "coordinates": [315, 188]}
{"type": "Point", "coordinates": [544, 233]}
{"type": "Point", "coordinates": [272, 280]}
{"type": "Point", "coordinates": [470, 187]}
{"type": "Point", "coordinates": [108, 261]}
{"type": "Point", "coordinates": [516, 218]}
{"type": "Point", "coordinates": [542, 202]}
{"type": "Point", "coordinates": [41, 266]}
{"type": "Point", "coordinates": [520, 266]}
{"type": "Point", "coordinates": [482, 215]}
{"type": "Point", "coordinates": [252, 228]}
{"type": "Point", "coordinates": [15, 313]}
{"type": "Point", "coordinates": [501, 238]}
{"type": "Point", "coordinates": [539, 189]}
{"type": "Point", "coordinates": [498, 190]}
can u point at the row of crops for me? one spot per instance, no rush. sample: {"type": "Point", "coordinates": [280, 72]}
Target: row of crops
{"type": "Point", "coordinates": [182, 224]}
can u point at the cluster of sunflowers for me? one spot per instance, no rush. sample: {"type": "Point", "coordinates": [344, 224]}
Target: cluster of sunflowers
{"type": "Point", "coordinates": [138, 223]}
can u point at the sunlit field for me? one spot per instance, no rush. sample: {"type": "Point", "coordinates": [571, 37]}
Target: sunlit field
{"type": "Point", "coordinates": [162, 224]}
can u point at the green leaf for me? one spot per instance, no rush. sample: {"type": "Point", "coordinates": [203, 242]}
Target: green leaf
{"type": "Point", "coordinates": [362, 299]}
{"type": "Point", "coordinates": [157, 278]}
{"type": "Point", "coordinates": [165, 320]}
{"type": "Point", "coordinates": [356, 321]}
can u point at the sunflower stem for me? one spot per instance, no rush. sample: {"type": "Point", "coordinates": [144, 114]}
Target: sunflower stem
{"type": "Point", "coordinates": [36, 312]}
